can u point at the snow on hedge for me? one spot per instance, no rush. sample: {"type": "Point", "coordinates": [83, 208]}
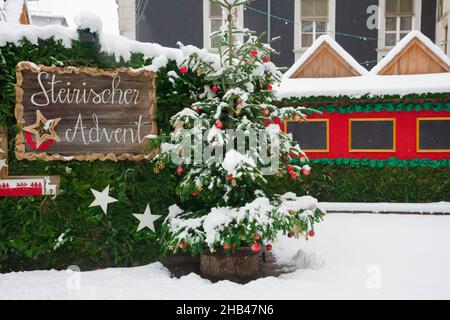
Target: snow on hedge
{"type": "Point", "coordinates": [118, 46]}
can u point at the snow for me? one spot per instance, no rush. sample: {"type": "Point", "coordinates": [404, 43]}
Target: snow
{"type": "Point", "coordinates": [351, 257]}
{"type": "Point", "coordinates": [403, 43]}
{"type": "Point", "coordinates": [233, 160]}
{"type": "Point", "coordinates": [89, 20]}
{"type": "Point", "coordinates": [434, 207]}
{"type": "Point", "coordinates": [335, 46]}
{"type": "Point", "coordinates": [13, 10]}
{"type": "Point", "coordinates": [370, 85]}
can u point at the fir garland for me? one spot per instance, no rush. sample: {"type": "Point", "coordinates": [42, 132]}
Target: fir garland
{"type": "Point", "coordinates": [378, 163]}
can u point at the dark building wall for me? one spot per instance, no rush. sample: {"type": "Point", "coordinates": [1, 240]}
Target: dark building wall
{"type": "Point", "coordinates": [168, 21]}
{"type": "Point", "coordinates": [285, 9]}
{"type": "Point", "coordinates": [256, 21]}
{"type": "Point", "coordinates": [351, 18]}
{"type": "Point", "coordinates": [429, 18]}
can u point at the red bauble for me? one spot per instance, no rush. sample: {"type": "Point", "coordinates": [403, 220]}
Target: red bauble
{"type": "Point", "coordinates": [226, 247]}
{"type": "Point", "coordinates": [198, 110]}
{"type": "Point", "coordinates": [269, 87]}
{"type": "Point", "coordinates": [194, 194]}
{"type": "Point", "coordinates": [269, 247]}
{"type": "Point", "coordinates": [306, 171]}
{"type": "Point", "coordinates": [230, 177]}
{"type": "Point", "coordinates": [312, 233]}
{"type": "Point", "coordinates": [183, 70]}
{"type": "Point", "coordinates": [215, 88]}
{"type": "Point", "coordinates": [256, 236]}
{"type": "Point", "coordinates": [265, 59]}
{"type": "Point", "coordinates": [256, 247]}
{"type": "Point", "coordinates": [290, 234]}
{"type": "Point", "coordinates": [254, 53]}
{"type": "Point", "coordinates": [183, 245]}
{"type": "Point", "coordinates": [219, 124]}
{"type": "Point", "coordinates": [290, 169]}
{"type": "Point", "coordinates": [180, 169]}
{"type": "Point", "coordinates": [293, 175]}
{"type": "Point", "coordinates": [239, 101]}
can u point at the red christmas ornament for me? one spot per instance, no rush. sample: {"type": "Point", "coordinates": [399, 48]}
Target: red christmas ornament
{"type": "Point", "coordinates": [256, 236]}
{"type": "Point", "coordinates": [269, 87]}
{"type": "Point", "coordinates": [290, 169]}
{"type": "Point", "coordinates": [230, 177]}
{"type": "Point", "coordinates": [198, 110]}
{"type": "Point", "coordinates": [293, 175]}
{"type": "Point", "coordinates": [312, 233]}
{"type": "Point", "coordinates": [269, 247]}
{"type": "Point", "coordinates": [254, 53]}
{"type": "Point", "coordinates": [219, 124]}
{"type": "Point", "coordinates": [180, 169]}
{"type": "Point", "coordinates": [183, 70]}
{"type": "Point", "coordinates": [290, 234]}
{"type": "Point", "coordinates": [265, 59]}
{"type": "Point", "coordinates": [194, 194]}
{"type": "Point", "coordinates": [239, 101]}
{"type": "Point", "coordinates": [306, 171]}
{"type": "Point", "coordinates": [183, 245]}
{"type": "Point", "coordinates": [226, 247]}
{"type": "Point", "coordinates": [256, 247]}
{"type": "Point", "coordinates": [215, 88]}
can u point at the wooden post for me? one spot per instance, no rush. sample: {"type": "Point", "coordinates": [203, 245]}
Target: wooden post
{"type": "Point", "coordinates": [3, 152]}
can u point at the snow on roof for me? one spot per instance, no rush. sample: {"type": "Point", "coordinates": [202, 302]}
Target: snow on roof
{"type": "Point", "coordinates": [370, 85]}
{"type": "Point", "coordinates": [120, 46]}
{"type": "Point", "coordinates": [403, 43]}
{"type": "Point", "coordinates": [335, 46]}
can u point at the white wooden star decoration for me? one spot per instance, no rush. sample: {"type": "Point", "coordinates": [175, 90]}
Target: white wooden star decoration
{"type": "Point", "coordinates": [3, 164]}
{"type": "Point", "coordinates": [146, 219]}
{"type": "Point", "coordinates": [102, 199]}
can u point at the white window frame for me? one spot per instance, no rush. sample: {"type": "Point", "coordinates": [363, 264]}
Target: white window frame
{"type": "Point", "coordinates": [416, 25]}
{"type": "Point", "coordinates": [299, 49]}
{"type": "Point", "coordinates": [207, 24]}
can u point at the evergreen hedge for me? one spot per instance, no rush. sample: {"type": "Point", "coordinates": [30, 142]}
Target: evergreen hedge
{"type": "Point", "coordinates": [30, 226]}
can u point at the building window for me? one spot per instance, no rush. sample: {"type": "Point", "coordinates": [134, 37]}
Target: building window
{"type": "Point", "coordinates": [314, 20]}
{"type": "Point", "coordinates": [213, 21]}
{"type": "Point", "coordinates": [372, 135]}
{"type": "Point", "coordinates": [312, 135]}
{"type": "Point", "coordinates": [399, 15]}
{"type": "Point", "coordinates": [433, 134]}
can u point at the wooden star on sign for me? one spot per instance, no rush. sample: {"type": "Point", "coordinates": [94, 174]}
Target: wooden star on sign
{"type": "Point", "coordinates": [43, 129]}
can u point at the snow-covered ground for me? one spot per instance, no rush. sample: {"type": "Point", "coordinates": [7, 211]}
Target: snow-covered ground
{"type": "Point", "coordinates": [352, 256]}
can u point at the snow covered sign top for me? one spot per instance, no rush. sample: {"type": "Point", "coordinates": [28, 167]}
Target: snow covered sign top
{"type": "Point", "coordinates": [84, 113]}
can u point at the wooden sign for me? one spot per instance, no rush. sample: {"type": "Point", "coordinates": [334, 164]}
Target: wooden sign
{"type": "Point", "coordinates": [3, 153]}
{"type": "Point", "coordinates": [84, 113]}
{"type": "Point", "coordinates": [29, 186]}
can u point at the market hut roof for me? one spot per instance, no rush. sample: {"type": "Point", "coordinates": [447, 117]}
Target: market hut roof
{"type": "Point", "coordinates": [325, 59]}
{"type": "Point", "coordinates": [414, 54]}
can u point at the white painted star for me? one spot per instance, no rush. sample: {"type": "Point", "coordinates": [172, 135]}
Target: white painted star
{"type": "Point", "coordinates": [146, 219]}
{"type": "Point", "coordinates": [102, 199]}
{"type": "Point", "coordinates": [3, 164]}
{"type": "Point", "coordinates": [1, 150]}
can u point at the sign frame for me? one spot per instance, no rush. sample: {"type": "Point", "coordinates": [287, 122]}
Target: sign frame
{"type": "Point", "coordinates": [394, 134]}
{"type": "Point", "coordinates": [22, 154]}
{"type": "Point", "coordinates": [418, 120]}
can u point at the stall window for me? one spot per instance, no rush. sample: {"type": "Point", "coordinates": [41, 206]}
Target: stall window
{"type": "Point", "coordinates": [433, 135]}
{"type": "Point", "coordinates": [372, 135]}
{"type": "Point", "coordinates": [312, 135]}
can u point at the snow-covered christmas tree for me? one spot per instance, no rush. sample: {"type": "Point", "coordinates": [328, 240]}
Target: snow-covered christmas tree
{"type": "Point", "coordinates": [224, 146]}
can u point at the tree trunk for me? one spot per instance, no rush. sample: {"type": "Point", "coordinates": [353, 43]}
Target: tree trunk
{"type": "Point", "coordinates": [241, 265]}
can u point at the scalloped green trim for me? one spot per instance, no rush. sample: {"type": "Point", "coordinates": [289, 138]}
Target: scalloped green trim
{"type": "Point", "coordinates": [375, 163]}
{"type": "Point", "coordinates": [377, 107]}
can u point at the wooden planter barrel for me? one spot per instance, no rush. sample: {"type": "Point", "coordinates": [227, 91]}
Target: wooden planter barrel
{"type": "Point", "coordinates": [243, 264]}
